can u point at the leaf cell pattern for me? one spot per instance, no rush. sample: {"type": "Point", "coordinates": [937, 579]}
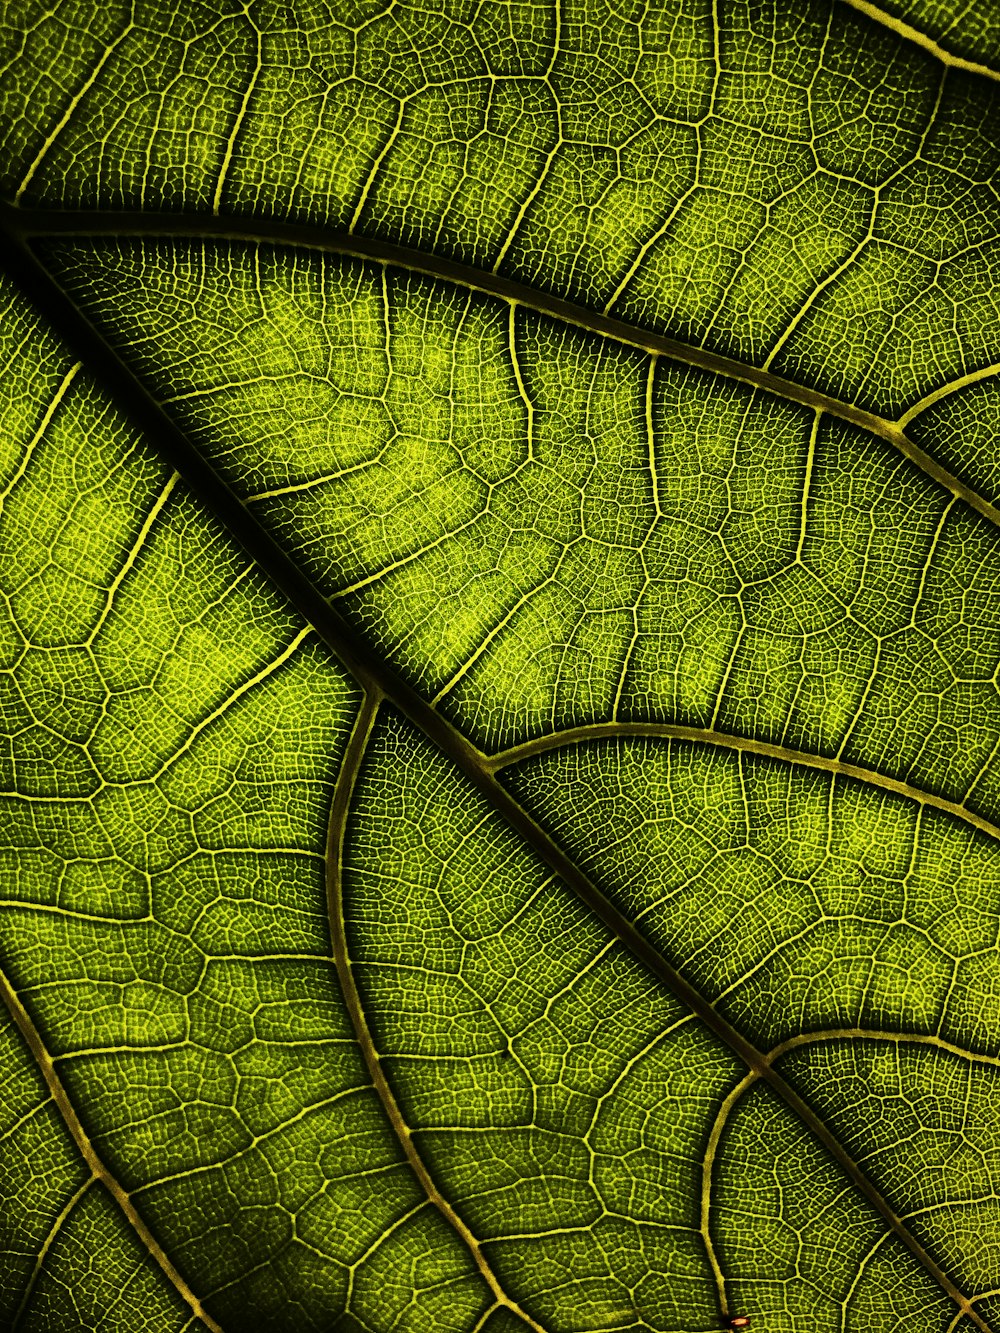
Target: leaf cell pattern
{"type": "Point", "coordinates": [501, 741]}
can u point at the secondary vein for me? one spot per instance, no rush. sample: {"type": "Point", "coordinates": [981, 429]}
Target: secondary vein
{"type": "Point", "coordinates": [339, 812]}
{"type": "Point", "coordinates": [599, 731]}
{"type": "Point", "coordinates": [20, 225]}
{"type": "Point", "coordinates": [98, 1170]}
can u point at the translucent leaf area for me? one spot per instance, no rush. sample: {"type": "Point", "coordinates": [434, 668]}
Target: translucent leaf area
{"type": "Point", "coordinates": [500, 651]}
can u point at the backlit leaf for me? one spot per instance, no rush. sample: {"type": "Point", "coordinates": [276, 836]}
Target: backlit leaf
{"type": "Point", "coordinates": [501, 642]}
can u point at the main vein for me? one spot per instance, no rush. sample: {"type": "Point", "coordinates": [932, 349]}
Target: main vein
{"type": "Point", "coordinates": [21, 225]}
{"type": "Point", "coordinates": [378, 679]}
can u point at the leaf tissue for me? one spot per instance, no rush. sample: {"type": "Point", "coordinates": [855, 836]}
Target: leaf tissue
{"type": "Point", "coordinates": [500, 646]}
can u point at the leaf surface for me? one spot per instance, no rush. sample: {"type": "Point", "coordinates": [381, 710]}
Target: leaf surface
{"type": "Point", "coordinates": [502, 737]}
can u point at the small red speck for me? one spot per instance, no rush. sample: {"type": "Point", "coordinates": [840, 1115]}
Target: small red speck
{"type": "Point", "coordinates": [739, 1321]}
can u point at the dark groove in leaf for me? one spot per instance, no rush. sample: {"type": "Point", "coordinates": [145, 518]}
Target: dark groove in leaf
{"type": "Point", "coordinates": [145, 415]}
{"type": "Point", "coordinates": [23, 224]}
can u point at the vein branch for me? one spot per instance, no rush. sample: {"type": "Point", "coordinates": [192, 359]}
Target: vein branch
{"type": "Point", "coordinates": [881, 1034]}
{"type": "Point", "coordinates": [896, 1224]}
{"type": "Point", "coordinates": [599, 731]}
{"type": "Point", "coordinates": [339, 812]}
{"type": "Point", "coordinates": [20, 225]}
{"type": "Point", "coordinates": [86, 1148]}
{"type": "Point", "coordinates": [45, 1247]}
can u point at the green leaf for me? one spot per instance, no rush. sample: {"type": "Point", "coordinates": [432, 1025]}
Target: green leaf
{"type": "Point", "coordinates": [500, 639]}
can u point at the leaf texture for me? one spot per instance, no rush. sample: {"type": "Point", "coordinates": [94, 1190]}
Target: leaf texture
{"type": "Point", "coordinates": [501, 768]}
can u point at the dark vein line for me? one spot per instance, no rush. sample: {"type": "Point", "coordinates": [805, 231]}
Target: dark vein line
{"type": "Point", "coordinates": [599, 731]}
{"type": "Point", "coordinates": [339, 811]}
{"type": "Point", "coordinates": [379, 679]}
{"type": "Point", "coordinates": [921, 39]}
{"type": "Point", "coordinates": [21, 225]}
{"type": "Point", "coordinates": [98, 1170]}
